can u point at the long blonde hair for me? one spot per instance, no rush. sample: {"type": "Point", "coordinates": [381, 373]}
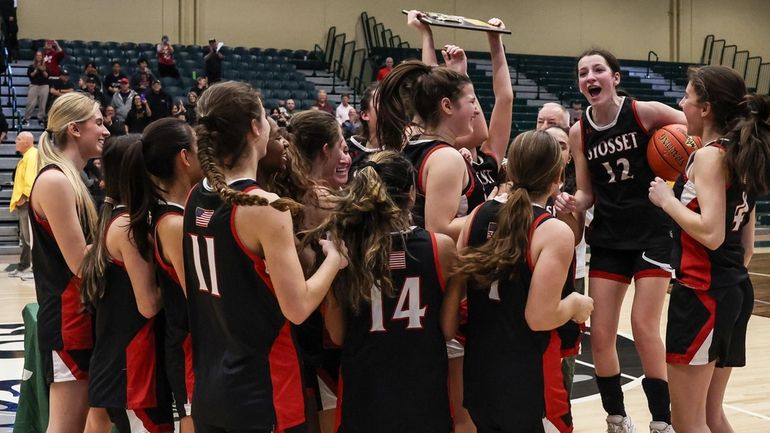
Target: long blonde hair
{"type": "Point", "coordinates": [69, 108]}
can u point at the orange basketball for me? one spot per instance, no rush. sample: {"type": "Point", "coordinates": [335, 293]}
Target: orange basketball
{"type": "Point", "coordinates": [668, 151]}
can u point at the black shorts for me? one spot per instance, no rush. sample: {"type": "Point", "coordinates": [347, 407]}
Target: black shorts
{"type": "Point", "coordinates": [706, 326]}
{"type": "Point", "coordinates": [155, 420]}
{"type": "Point", "coordinates": [622, 265]}
{"type": "Point", "coordinates": [65, 365]}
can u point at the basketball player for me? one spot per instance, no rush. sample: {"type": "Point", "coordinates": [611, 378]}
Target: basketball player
{"type": "Point", "coordinates": [385, 310]}
{"type": "Point", "coordinates": [244, 280]}
{"type": "Point", "coordinates": [629, 237]}
{"type": "Point", "coordinates": [168, 170]}
{"type": "Point", "coordinates": [713, 208]}
{"type": "Point", "coordinates": [62, 222]}
{"type": "Point", "coordinates": [363, 145]}
{"type": "Point", "coordinates": [127, 374]}
{"type": "Point", "coordinates": [518, 267]}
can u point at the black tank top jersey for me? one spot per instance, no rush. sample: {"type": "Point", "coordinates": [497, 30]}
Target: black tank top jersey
{"type": "Point", "coordinates": [486, 170]}
{"type": "Point", "coordinates": [126, 369]}
{"type": "Point", "coordinates": [358, 152]}
{"type": "Point", "coordinates": [507, 365]}
{"type": "Point", "coordinates": [178, 343]}
{"type": "Point", "coordinates": [624, 217]}
{"type": "Point", "coordinates": [418, 152]}
{"type": "Point", "coordinates": [394, 361]}
{"type": "Point", "coordinates": [63, 324]}
{"type": "Point", "coordinates": [697, 267]}
{"type": "Point", "coordinates": [247, 373]}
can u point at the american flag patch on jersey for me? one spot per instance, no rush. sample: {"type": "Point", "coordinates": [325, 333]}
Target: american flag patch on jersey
{"type": "Point", "coordinates": [397, 260]}
{"type": "Point", "coordinates": [203, 217]}
{"type": "Point", "coordinates": [491, 228]}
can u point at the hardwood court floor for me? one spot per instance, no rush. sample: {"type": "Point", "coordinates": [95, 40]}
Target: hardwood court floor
{"type": "Point", "coordinates": [747, 403]}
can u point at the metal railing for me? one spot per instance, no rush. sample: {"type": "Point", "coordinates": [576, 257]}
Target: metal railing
{"type": "Point", "coordinates": [16, 115]}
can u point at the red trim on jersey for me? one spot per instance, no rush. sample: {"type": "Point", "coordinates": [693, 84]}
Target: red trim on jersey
{"type": "Point", "coordinates": [150, 425]}
{"type": "Point", "coordinates": [166, 267]}
{"type": "Point", "coordinates": [695, 265]}
{"type": "Point", "coordinates": [109, 226]}
{"type": "Point", "coordinates": [711, 306]}
{"type": "Point", "coordinates": [554, 394]}
{"type": "Point", "coordinates": [638, 120]}
{"type": "Point", "coordinates": [43, 223]}
{"type": "Point", "coordinates": [76, 325]}
{"type": "Point", "coordinates": [72, 366]}
{"type": "Point", "coordinates": [141, 364]}
{"type": "Point", "coordinates": [189, 374]}
{"type": "Point", "coordinates": [652, 273]}
{"type": "Point", "coordinates": [609, 276]}
{"type": "Point", "coordinates": [259, 262]}
{"type": "Point", "coordinates": [532, 229]}
{"type": "Point", "coordinates": [286, 381]}
{"type": "Point", "coordinates": [420, 186]}
{"type": "Point", "coordinates": [437, 262]}
{"type": "Point", "coordinates": [338, 412]}
{"type": "Point", "coordinates": [468, 190]}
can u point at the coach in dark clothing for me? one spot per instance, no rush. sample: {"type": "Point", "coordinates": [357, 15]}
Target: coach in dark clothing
{"type": "Point", "coordinates": [213, 59]}
{"type": "Point", "coordinates": [159, 102]}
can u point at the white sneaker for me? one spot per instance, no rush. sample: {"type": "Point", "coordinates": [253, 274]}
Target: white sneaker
{"type": "Point", "coordinates": [27, 276]}
{"type": "Point", "coordinates": [620, 424]}
{"type": "Point", "coordinates": [661, 427]}
{"type": "Point", "coordinates": [17, 272]}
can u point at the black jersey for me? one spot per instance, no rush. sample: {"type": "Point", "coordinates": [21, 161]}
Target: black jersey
{"type": "Point", "coordinates": [624, 217]}
{"type": "Point", "coordinates": [510, 369]}
{"type": "Point", "coordinates": [63, 324]}
{"type": "Point", "coordinates": [486, 169]}
{"type": "Point", "coordinates": [247, 374]}
{"type": "Point", "coordinates": [178, 343]}
{"type": "Point", "coordinates": [418, 152]}
{"type": "Point", "coordinates": [394, 360]}
{"type": "Point", "coordinates": [126, 369]}
{"type": "Point", "coordinates": [358, 152]}
{"type": "Point", "coordinates": [698, 267]}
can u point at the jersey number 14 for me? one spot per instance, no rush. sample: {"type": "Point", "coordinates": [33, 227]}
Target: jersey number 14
{"type": "Point", "coordinates": [407, 308]}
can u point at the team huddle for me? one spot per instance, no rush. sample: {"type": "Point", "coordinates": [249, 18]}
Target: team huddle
{"type": "Point", "coordinates": [419, 277]}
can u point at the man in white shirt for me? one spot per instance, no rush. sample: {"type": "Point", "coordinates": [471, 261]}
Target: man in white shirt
{"type": "Point", "coordinates": [343, 109]}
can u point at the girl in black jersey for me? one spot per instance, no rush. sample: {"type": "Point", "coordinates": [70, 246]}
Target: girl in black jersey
{"type": "Point", "coordinates": [244, 279]}
{"type": "Point", "coordinates": [161, 177]}
{"type": "Point", "coordinates": [713, 207]}
{"type": "Point", "coordinates": [62, 222]}
{"type": "Point", "coordinates": [629, 237]}
{"type": "Point", "coordinates": [363, 145]}
{"type": "Point", "coordinates": [517, 265]}
{"type": "Point", "coordinates": [385, 310]}
{"type": "Point", "coordinates": [119, 285]}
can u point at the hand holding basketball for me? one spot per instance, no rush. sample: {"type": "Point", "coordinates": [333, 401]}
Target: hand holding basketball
{"type": "Point", "coordinates": [660, 192]}
{"type": "Point", "coordinates": [669, 149]}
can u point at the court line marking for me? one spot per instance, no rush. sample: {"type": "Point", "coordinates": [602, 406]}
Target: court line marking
{"type": "Point", "coordinates": [761, 301]}
{"type": "Point", "coordinates": [747, 412]}
{"type": "Point", "coordinates": [759, 274]}
{"type": "Point", "coordinates": [635, 381]}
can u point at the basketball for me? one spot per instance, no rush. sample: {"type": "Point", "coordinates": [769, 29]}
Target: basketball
{"type": "Point", "coordinates": [668, 150]}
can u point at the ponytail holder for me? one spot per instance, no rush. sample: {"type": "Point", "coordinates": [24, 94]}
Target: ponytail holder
{"type": "Point", "coordinates": [520, 186]}
{"type": "Point", "coordinates": [371, 164]}
{"type": "Point", "coordinates": [111, 201]}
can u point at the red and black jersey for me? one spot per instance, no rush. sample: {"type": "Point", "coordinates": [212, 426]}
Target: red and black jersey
{"type": "Point", "coordinates": [63, 324]}
{"type": "Point", "coordinates": [358, 152]}
{"type": "Point", "coordinates": [624, 217]}
{"type": "Point", "coordinates": [126, 369]}
{"type": "Point", "coordinates": [418, 151]}
{"type": "Point", "coordinates": [178, 343]}
{"type": "Point", "coordinates": [510, 369]}
{"type": "Point", "coordinates": [486, 169]}
{"type": "Point", "coordinates": [394, 360]}
{"type": "Point", "coordinates": [698, 267]}
{"type": "Point", "coordinates": [247, 374]}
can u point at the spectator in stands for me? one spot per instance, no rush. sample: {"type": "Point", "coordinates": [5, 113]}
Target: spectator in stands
{"type": "Point", "coordinates": [322, 103]}
{"type": "Point", "coordinates": [575, 111]}
{"type": "Point", "coordinates": [166, 62]}
{"type": "Point", "coordinates": [277, 115]}
{"type": "Point", "coordinates": [190, 114]}
{"type": "Point", "coordinates": [342, 110]}
{"type": "Point", "coordinates": [3, 127]}
{"type": "Point", "coordinates": [159, 101]}
{"type": "Point", "coordinates": [201, 85]}
{"type": "Point", "coordinates": [291, 108]}
{"type": "Point", "coordinates": [213, 57]}
{"type": "Point", "coordinates": [385, 70]}
{"type": "Point", "coordinates": [139, 116]}
{"type": "Point", "coordinates": [37, 95]}
{"type": "Point", "coordinates": [178, 110]}
{"type": "Point", "coordinates": [552, 114]}
{"type": "Point", "coordinates": [352, 126]}
{"type": "Point", "coordinates": [112, 122]}
{"type": "Point", "coordinates": [10, 28]}
{"type": "Point", "coordinates": [143, 77]}
{"type": "Point", "coordinates": [53, 55]}
{"type": "Point", "coordinates": [26, 170]}
{"type": "Point", "coordinates": [122, 99]}
{"type": "Point", "coordinates": [60, 86]}
{"type": "Point", "coordinates": [112, 80]}
{"type": "Point", "coordinates": [90, 71]}
{"type": "Point", "coordinates": [93, 177]}
{"type": "Point", "coordinates": [92, 91]}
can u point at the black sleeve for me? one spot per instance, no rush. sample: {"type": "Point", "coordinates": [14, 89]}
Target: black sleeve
{"type": "Point", "coordinates": [3, 123]}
